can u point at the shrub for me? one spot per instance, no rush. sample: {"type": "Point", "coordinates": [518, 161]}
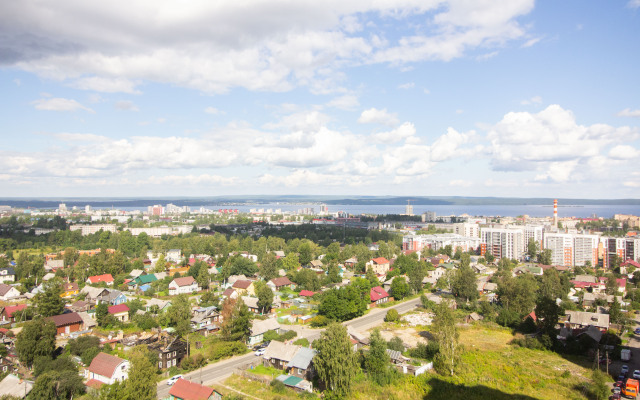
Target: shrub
{"type": "Point", "coordinates": [395, 344]}
{"type": "Point", "coordinates": [529, 343]}
{"type": "Point", "coordinates": [320, 321]}
{"type": "Point", "coordinates": [392, 315]}
{"type": "Point", "coordinates": [425, 351]}
{"type": "Point", "coordinates": [278, 386]}
{"type": "Point", "coordinates": [220, 349]}
{"type": "Point", "coordinates": [193, 362]}
{"type": "Point", "coordinates": [302, 342]}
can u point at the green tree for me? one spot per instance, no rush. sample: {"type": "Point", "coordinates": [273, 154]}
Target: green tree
{"type": "Point", "coordinates": [333, 272]}
{"type": "Point", "coordinates": [57, 385]}
{"type": "Point", "coordinates": [265, 296]}
{"type": "Point", "coordinates": [611, 285]}
{"type": "Point", "coordinates": [203, 278]}
{"type": "Point", "coordinates": [615, 312]}
{"type": "Point", "coordinates": [269, 267]}
{"type": "Point", "coordinates": [545, 257]}
{"type": "Point", "coordinates": [237, 327]}
{"type": "Point", "coordinates": [548, 313]}
{"type": "Point", "coordinates": [416, 274]}
{"type": "Point", "coordinates": [599, 387]}
{"type": "Point", "coordinates": [37, 339]}
{"type": "Point", "coordinates": [49, 302]}
{"type": "Point", "coordinates": [446, 333]}
{"type": "Point", "coordinates": [464, 283]}
{"type": "Point", "coordinates": [102, 310]}
{"type": "Point", "coordinates": [399, 288]}
{"type": "Point", "coordinates": [335, 361]}
{"type": "Point", "coordinates": [518, 294]}
{"type": "Point", "coordinates": [141, 384]}
{"type": "Point", "coordinates": [372, 278]}
{"type": "Point", "coordinates": [179, 314]}
{"type": "Point", "coordinates": [376, 361]}
{"type": "Point", "coordinates": [532, 248]}
{"type": "Point", "coordinates": [305, 253]}
{"type": "Point", "coordinates": [290, 262]}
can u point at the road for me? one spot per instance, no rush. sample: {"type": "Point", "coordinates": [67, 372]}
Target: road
{"type": "Point", "coordinates": [216, 372]}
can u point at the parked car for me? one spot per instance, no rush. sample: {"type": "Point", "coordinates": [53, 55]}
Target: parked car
{"type": "Point", "coordinates": [636, 374]}
{"type": "Point", "coordinates": [260, 352]}
{"type": "Point", "coordinates": [624, 369]}
{"type": "Point", "coordinates": [173, 379]}
{"type": "Point", "coordinates": [637, 331]}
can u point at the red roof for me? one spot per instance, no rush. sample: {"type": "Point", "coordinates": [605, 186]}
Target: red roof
{"type": "Point", "coordinates": [228, 292]}
{"type": "Point", "coordinates": [94, 383]}
{"type": "Point", "coordinates": [281, 281]}
{"type": "Point", "coordinates": [185, 281]}
{"type": "Point", "coordinates": [532, 314]}
{"type": "Point", "coordinates": [622, 282]}
{"type": "Point", "coordinates": [11, 309]}
{"type": "Point", "coordinates": [105, 364]}
{"type": "Point", "coordinates": [306, 293]}
{"type": "Point", "coordinates": [380, 260]}
{"type": "Point", "coordinates": [378, 293]}
{"type": "Point", "coordinates": [630, 262]}
{"type": "Point", "coordinates": [187, 390]}
{"type": "Point", "coordinates": [101, 278]}
{"type": "Point", "coordinates": [118, 309]}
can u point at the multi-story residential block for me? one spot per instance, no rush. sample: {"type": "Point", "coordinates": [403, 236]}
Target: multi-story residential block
{"type": "Point", "coordinates": [91, 229]}
{"type": "Point", "coordinates": [467, 230]}
{"type": "Point", "coordinates": [439, 241]}
{"type": "Point", "coordinates": [561, 246]}
{"type": "Point", "coordinates": [502, 242]}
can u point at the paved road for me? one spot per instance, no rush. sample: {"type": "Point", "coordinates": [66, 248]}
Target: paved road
{"type": "Point", "coordinates": [221, 370]}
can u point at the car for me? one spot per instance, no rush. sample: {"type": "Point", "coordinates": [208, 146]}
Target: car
{"type": "Point", "coordinates": [636, 374]}
{"type": "Point", "coordinates": [624, 369]}
{"type": "Point", "coordinates": [260, 352]}
{"type": "Point", "coordinates": [622, 377]}
{"type": "Point", "coordinates": [173, 380]}
{"type": "Point", "coordinates": [619, 383]}
{"type": "Point", "coordinates": [615, 390]}
{"type": "Point", "coordinates": [637, 331]}
{"type": "Point", "coordinates": [615, 396]}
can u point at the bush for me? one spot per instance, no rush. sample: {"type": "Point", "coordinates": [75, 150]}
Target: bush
{"type": "Point", "coordinates": [392, 315]}
{"type": "Point", "coordinates": [302, 342]}
{"type": "Point", "coordinates": [288, 335]}
{"type": "Point", "coordinates": [220, 349]}
{"type": "Point", "coordinates": [319, 321]}
{"type": "Point", "coordinates": [193, 362]}
{"type": "Point", "coordinates": [527, 342]}
{"type": "Point", "coordinates": [278, 386]}
{"type": "Point", "coordinates": [270, 335]}
{"type": "Point", "coordinates": [425, 351]}
{"type": "Point", "coordinates": [89, 354]}
{"type": "Point", "coordinates": [395, 344]}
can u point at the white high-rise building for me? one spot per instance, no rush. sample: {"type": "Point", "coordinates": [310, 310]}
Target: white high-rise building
{"type": "Point", "coordinates": [468, 230]}
{"type": "Point", "coordinates": [502, 242]}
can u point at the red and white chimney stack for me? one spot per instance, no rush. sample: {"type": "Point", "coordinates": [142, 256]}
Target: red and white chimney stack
{"type": "Point", "coordinates": [555, 213]}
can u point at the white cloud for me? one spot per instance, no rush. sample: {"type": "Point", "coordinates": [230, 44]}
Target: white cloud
{"type": "Point", "coordinates": [213, 111]}
{"type": "Point", "coordinates": [126, 105]}
{"type": "Point", "coordinates": [190, 180]}
{"type": "Point", "coordinates": [375, 116]}
{"type": "Point", "coordinates": [530, 42]}
{"type": "Point", "coordinates": [59, 104]}
{"type": "Point", "coordinates": [302, 177]}
{"type": "Point", "coordinates": [402, 132]}
{"type": "Point", "coordinates": [345, 102]}
{"type": "Point", "coordinates": [624, 152]}
{"type": "Point", "coordinates": [633, 4]}
{"type": "Point", "coordinates": [106, 85]}
{"type": "Point", "coordinates": [554, 145]}
{"type": "Point", "coordinates": [265, 45]}
{"type": "Point", "coordinates": [17, 81]}
{"type": "Point", "coordinates": [408, 85]}
{"type": "Point", "coordinates": [627, 112]}
{"type": "Point", "coordinates": [533, 100]}
{"type": "Point", "coordinates": [460, 183]}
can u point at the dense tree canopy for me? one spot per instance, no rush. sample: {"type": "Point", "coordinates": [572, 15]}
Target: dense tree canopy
{"type": "Point", "coordinates": [335, 361]}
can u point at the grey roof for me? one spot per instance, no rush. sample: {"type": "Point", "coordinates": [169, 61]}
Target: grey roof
{"type": "Point", "coordinates": [262, 326]}
{"type": "Point", "coordinates": [11, 385]}
{"type": "Point", "coordinates": [394, 354]}
{"type": "Point", "coordinates": [10, 270]}
{"type": "Point", "coordinates": [586, 278]}
{"type": "Point", "coordinates": [583, 318]}
{"type": "Point", "coordinates": [136, 273]}
{"type": "Point", "coordinates": [280, 351]}
{"type": "Point", "coordinates": [303, 358]}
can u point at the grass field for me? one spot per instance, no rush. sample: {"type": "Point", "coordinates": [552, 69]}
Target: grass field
{"type": "Point", "coordinates": [490, 368]}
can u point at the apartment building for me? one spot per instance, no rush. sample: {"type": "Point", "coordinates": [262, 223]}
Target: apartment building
{"type": "Point", "coordinates": [502, 242]}
{"type": "Point", "coordinates": [91, 229]}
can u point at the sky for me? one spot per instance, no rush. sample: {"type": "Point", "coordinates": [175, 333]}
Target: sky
{"type": "Point", "coordinates": [511, 98]}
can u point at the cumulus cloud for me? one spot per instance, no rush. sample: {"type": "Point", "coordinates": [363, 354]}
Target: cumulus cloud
{"type": "Point", "coordinates": [627, 112]}
{"type": "Point", "coordinates": [59, 104]}
{"type": "Point", "coordinates": [633, 4]}
{"type": "Point", "coordinates": [126, 105]}
{"type": "Point", "coordinates": [403, 132]}
{"type": "Point", "coordinates": [553, 144]}
{"type": "Point", "coordinates": [624, 152]}
{"type": "Point", "coordinates": [190, 180]}
{"type": "Point", "coordinates": [408, 85]}
{"type": "Point", "coordinates": [375, 116]}
{"type": "Point", "coordinates": [216, 46]}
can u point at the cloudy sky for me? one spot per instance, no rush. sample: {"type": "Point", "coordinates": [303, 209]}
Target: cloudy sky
{"type": "Point", "coordinates": [381, 97]}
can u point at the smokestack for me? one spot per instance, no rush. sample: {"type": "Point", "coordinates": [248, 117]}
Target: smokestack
{"type": "Point", "coordinates": [555, 213]}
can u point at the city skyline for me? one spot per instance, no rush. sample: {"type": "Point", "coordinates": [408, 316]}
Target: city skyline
{"type": "Point", "coordinates": [452, 98]}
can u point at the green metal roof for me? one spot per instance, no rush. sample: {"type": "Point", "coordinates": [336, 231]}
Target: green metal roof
{"type": "Point", "coordinates": [292, 381]}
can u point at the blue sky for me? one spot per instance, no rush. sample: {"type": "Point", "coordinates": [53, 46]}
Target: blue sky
{"type": "Point", "coordinates": [394, 97]}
